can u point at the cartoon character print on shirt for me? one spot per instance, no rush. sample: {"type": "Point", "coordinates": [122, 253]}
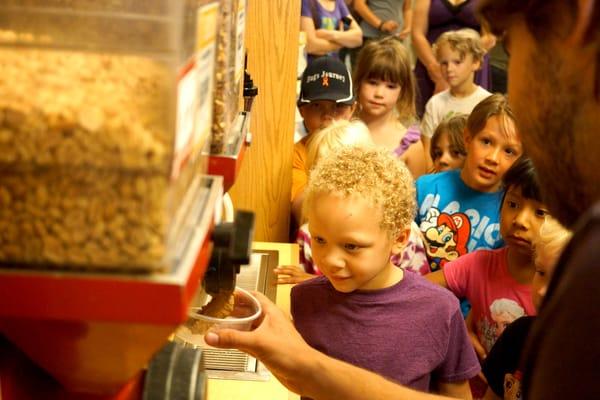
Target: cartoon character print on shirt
{"type": "Point", "coordinates": [445, 236]}
{"type": "Point", "coordinates": [503, 312]}
{"type": "Point", "coordinates": [329, 23]}
{"type": "Point", "coordinates": [512, 386]}
{"type": "Point", "coordinates": [485, 230]}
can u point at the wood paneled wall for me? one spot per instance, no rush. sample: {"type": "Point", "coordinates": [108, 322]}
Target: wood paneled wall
{"type": "Point", "coordinates": [264, 182]}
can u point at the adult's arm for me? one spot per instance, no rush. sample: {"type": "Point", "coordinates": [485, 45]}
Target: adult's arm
{"type": "Point", "coordinates": [344, 38]}
{"type": "Point", "coordinates": [315, 44]}
{"type": "Point", "coordinates": [488, 40]}
{"type": "Point", "coordinates": [407, 16]}
{"type": "Point", "coordinates": [361, 7]}
{"type": "Point", "coordinates": [303, 369]}
{"type": "Point", "coordinates": [422, 45]}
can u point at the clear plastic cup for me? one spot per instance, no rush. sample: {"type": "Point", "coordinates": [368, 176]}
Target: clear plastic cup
{"type": "Point", "coordinates": [246, 310]}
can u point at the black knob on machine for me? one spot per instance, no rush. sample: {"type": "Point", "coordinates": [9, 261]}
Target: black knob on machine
{"type": "Point", "coordinates": [232, 248]}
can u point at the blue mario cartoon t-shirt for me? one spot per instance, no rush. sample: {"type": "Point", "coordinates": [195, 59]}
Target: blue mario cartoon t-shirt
{"type": "Point", "coordinates": [455, 219]}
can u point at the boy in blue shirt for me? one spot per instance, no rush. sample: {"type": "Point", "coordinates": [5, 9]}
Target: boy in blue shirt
{"type": "Point", "coordinates": [459, 210]}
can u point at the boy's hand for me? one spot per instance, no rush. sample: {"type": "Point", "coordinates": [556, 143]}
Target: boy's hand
{"type": "Point", "coordinates": [291, 274]}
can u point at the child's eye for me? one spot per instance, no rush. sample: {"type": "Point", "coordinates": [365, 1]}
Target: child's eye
{"type": "Point", "coordinates": [318, 240]}
{"type": "Point", "coordinates": [510, 152]}
{"type": "Point", "coordinates": [456, 154]}
{"type": "Point", "coordinates": [392, 86]}
{"type": "Point", "coordinates": [541, 213]}
{"type": "Point", "coordinates": [485, 141]}
{"type": "Point", "coordinates": [540, 272]}
{"type": "Point", "coordinates": [372, 81]}
{"type": "Point", "coordinates": [437, 153]}
{"type": "Point", "coordinates": [350, 246]}
{"type": "Point", "coordinates": [512, 204]}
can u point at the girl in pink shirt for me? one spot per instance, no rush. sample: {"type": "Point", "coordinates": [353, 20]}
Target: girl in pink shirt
{"type": "Point", "coordinates": [497, 283]}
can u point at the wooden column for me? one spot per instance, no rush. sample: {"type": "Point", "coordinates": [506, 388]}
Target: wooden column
{"type": "Point", "coordinates": [265, 179]}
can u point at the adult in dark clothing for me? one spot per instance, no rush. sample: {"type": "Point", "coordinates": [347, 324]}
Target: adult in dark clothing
{"type": "Point", "coordinates": [554, 49]}
{"type": "Point", "coordinates": [554, 86]}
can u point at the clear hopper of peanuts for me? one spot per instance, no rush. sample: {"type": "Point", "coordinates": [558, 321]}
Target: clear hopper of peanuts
{"type": "Point", "coordinates": [105, 109]}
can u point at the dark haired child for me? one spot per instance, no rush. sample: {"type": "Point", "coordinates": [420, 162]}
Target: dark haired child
{"type": "Point", "coordinates": [502, 366]}
{"type": "Point", "coordinates": [497, 283]}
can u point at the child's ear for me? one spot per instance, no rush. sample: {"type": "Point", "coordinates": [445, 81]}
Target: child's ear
{"type": "Point", "coordinates": [301, 110]}
{"type": "Point", "coordinates": [467, 137]}
{"type": "Point", "coordinates": [400, 241]}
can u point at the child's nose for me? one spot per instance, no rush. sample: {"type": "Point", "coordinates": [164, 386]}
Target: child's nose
{"type": "Point", "coordinates": [332, 261]}
{"type": "Point", "coordinates": [542, 291]}
{"type": "Point", "coordinates": [445, 158]}
{"type": "Point", "coordinates": [493, 155]}
{"type": "Point", "coordinates": [523, 217]}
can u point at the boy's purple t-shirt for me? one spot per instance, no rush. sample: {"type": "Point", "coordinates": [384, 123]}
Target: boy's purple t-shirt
{"type": "Point", "coordinates": [411, 333]}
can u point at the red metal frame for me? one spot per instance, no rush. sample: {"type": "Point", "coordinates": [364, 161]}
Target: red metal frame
{"type": "Point", "coordinates": [79, 296]}
{"type": "Point", "coordinates": [94, 332]}
{"type": "Point", "coordinates": [228, 165]}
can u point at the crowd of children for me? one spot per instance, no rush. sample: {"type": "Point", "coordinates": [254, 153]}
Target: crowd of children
{"type": "Point", "coordinates": [402, 225]}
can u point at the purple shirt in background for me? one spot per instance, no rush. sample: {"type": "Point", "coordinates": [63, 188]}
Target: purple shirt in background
{"type": "Point", "coordinates": [325, 19]}
{"type": "Point", "coordinates": [411, 136]}
{"type": "Point", "coordinates": [410, 332]}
